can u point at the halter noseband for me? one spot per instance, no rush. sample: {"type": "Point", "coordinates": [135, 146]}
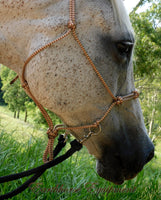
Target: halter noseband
{"type": "Point", "coordinates": [53, 131]}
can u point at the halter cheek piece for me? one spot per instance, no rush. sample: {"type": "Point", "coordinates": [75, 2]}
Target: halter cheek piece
{"type": "Point", "coordinates": [53, 131]}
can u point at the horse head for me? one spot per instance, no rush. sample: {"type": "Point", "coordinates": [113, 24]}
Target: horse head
{"type": "Point", "coordinates": [62, 79]}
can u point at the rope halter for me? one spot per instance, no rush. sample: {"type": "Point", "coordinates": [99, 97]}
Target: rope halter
{"type": "Point", "coordinates": [53, 131]}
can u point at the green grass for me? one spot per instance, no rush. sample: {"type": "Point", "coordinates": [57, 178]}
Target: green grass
{"type": "Point", "coordinates": [22, 148]}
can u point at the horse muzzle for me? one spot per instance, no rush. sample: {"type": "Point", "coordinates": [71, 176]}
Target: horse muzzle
{"type": "Point", "coordinates": [125, 164]}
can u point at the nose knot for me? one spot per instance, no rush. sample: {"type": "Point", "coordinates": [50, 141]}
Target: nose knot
{"type": "Point", "coordinates": [71, 25]}
{"type": "Point", "coordinates": [119, 100]}
{"type": "Point", "coordinates": [136, 94]}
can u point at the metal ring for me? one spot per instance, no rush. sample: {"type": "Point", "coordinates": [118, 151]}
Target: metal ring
{"type": "Point", "coordinates": [93, 133]}
{"type": "Point", "coordinates": [65, 135]}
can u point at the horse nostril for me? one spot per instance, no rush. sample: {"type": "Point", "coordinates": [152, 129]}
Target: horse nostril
{"type": "Point", "coordinates": [151, 155]}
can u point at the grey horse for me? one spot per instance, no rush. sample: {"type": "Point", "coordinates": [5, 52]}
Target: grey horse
{"type": "Point", "coordinates": [62, 80]}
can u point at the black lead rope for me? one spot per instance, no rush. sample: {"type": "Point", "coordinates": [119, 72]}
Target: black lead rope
{"type": "Point", "coordinates": [38, 171]}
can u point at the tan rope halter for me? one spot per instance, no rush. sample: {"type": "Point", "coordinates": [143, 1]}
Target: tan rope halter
{"type": "Point", "coordinates": [53, 131]}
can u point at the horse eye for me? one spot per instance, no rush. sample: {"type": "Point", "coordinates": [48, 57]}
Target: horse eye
{"type": "Point", "coordinates": [124, 47]}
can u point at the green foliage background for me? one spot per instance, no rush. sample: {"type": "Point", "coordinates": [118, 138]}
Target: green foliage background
{"type": "Point", "coordinates": [147, 59]}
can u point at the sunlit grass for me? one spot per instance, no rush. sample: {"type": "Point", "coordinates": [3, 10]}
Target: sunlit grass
{"type": "Point", "coordinates": [20, 131]}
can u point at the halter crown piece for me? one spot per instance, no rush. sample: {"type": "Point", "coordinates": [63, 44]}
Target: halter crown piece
{"type": "Point", "coordinates": [53, 131]}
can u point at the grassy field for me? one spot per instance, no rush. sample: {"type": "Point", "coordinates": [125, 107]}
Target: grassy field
{"type": "Point", "coordinates": [22, 146]}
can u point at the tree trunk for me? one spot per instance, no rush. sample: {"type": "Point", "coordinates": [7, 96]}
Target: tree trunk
{"type": "Point", "coordinates": [151, 122]}
{"type": "Point", "coordinates": [14, 114]}
{"type": "Point", "coordinates": [18, 114]}
{"type": "Point", "coordinates": [25, 116]}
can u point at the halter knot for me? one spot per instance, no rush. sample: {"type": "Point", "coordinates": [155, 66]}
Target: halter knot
{"type": "Point", "coordinates": [25, 85]}
{"type": "Point", "coordinates": [52, 134]}
{"type": "Point", "coordinates": [136, 94]}
{"type": "Point", "coordinates": [119, 100]}
{"type": "Point", "coordinates": [96, 124]}
{"type": "Point", "coordinates": [71, 25]}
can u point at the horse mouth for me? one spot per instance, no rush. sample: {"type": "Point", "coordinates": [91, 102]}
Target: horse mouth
{"type": "Point", "coordinates": [115, 175]}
